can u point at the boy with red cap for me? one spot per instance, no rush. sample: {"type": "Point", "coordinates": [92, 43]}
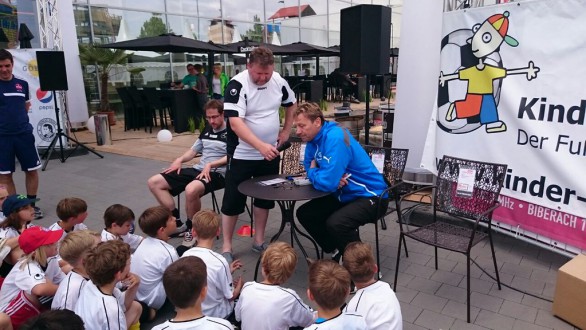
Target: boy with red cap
{"type": "Point", "coordinates": [26, 290]}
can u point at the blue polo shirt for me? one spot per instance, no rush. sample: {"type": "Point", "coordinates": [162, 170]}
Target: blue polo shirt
{"type": "Point", "coordinates": [13, 114]}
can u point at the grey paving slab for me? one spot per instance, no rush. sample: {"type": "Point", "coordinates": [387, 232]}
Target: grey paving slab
{"type": "Point", "coordinates": [430, 298]}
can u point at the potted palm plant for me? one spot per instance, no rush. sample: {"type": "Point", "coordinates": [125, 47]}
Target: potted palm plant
{"type": "Point", "coordinates": [104, 59]}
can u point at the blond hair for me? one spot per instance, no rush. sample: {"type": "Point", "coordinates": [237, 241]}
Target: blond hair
{"type": "Point", "coordinates": [76, 244]}
{"type": "Point", "coordinates": [278, 262]}
{"type": "Point", "coordinates": [329, 283]}
{"type": "Point", "coordinates": [359, 261]}
{"type": "Point", "coordinates": [39, 255]}
{"type": "Point", "coordinates": [206, 224]}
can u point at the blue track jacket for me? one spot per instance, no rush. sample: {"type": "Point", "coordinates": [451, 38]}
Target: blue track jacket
{"type": "Point", "coordinates": [334, 159]}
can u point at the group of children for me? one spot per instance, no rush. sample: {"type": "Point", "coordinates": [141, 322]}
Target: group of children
{"type": "Point", "coordinates": [68, 267]}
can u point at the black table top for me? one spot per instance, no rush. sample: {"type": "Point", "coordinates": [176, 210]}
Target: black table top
{"type": "Point", "coordinates": [286, 191]}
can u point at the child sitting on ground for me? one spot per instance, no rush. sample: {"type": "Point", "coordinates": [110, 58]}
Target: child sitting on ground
{"type": "Point", "coordinates": [72, 212]}
{"type": "Point", "coordinates": [185, 283]}
{"type": "Point", "coordinates": [25, 291]}
{"type": "Point", "coordinates": [374, 300]}
{"type": "Point", "coordinates": [18, 211]}
{"type": "Point", "coordinates": [73, 249]}
{"type": "Point", "coordinates": [281, 308]}
{"type": "Point", "coordinates": [118, 220]}
{"type": "Point", "coordinates": [329, 286]}
{"type": "Point", "coordinates": [221, 290]}
{"type": "Point", "coordinates": [100, 304]}
{"type": "Point", "coordinates": [152, 257]}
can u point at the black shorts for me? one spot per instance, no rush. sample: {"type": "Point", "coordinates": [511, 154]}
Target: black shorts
{"type": "Point", "coordinates": [178, 182]}
{"type": "Point", "coordinates": [238, 171]}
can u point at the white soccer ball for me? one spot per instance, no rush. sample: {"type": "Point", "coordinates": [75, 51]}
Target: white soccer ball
{"type": "Point", "coordinates": [164, 135]}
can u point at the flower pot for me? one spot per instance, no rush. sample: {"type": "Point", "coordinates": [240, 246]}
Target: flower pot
{"type": "Point", "coordinates": [111, 116]}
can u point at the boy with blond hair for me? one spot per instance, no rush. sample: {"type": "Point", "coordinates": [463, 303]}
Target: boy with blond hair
{"type": "Point", "coordinates": [281, 308]}
{"type": "Point", "coordinates": [118, 220]}
{"type": "Point", "coordinates": [374, 300]}
{"type": "Point", "coordinates": [185, 283]}
{"type": "Point", "coordinates": [329, 286]}
{"type": "Point", "coordinates": [221, 290]}
{"type": "Point", "coordinates": [73, 249]}
{"type": "Point", "coordinates": [101, 305]}
{"type": "Point", "coordinates": [152, 257]}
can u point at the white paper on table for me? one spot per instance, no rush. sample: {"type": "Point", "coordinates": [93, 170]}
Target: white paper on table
{"type": "Point", "coordinates": [272, 182]}
{"type": "Point", "coordinates": [465, 186]}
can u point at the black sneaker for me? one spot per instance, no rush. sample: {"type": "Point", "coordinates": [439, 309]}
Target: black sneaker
{"type": "Point", "coordinates": [38, 213]}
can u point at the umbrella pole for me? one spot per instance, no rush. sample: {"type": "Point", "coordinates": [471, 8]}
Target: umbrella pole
{"type": "Point", "coordinates": [367, 115]}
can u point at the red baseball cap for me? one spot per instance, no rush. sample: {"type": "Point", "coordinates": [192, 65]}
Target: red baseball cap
{"type": "Point", "coordinates": [35, 237]}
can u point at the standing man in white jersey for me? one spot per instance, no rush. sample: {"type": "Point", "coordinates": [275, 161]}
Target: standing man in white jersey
{"type": "Point", "coordinates": [251, 105]}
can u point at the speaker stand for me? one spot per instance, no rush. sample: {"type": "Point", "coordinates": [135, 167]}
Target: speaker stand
{"type": "Point", "coordinates": [367, 115]}
{"type": "Point", "coordinates": [49, 151]}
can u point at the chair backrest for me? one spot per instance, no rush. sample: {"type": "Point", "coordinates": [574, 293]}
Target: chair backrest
{"type": "Point", "coordinates": [291, 162]}
{"type": "Point", "coordinates": [454, 194]}
{"type": "Point", "coordinates": [125, 98]}
{"type": "Point", "coordinates": [153, 97]}
{"type": "Point", "coordinates": [395, 160]}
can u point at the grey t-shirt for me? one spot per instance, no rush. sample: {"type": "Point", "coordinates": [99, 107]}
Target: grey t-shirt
{"type": "Point", "coordinates": [212, 146]}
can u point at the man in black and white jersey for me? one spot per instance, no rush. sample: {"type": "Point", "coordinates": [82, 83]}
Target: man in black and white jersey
{"type": "Point", "coordinates": [205, 176]}
{"type": "Point", "coordinates": [251, 103]}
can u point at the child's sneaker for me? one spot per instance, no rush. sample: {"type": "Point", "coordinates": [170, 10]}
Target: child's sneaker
{"type": "Point", "coordinates": [38, 213]}
{"type": "Point", "coordinates": [188, 239]}
{"type": "Point", "coordinates": [180, 231]}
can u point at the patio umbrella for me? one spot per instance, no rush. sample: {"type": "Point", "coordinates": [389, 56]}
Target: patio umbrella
{"type": "Point", "coordinates": [167, 43]}
{"type": "Point", "coordinates": [25, 36]}
{"type": "Point", "coordinates": [314, 50]}
{"type": "Point", "coordinates": [246, 46]}
{"type": "Point", "coordinates": [3, 37]}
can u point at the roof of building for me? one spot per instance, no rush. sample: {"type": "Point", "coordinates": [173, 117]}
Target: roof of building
{"type": "Point", "coordinates": [286, 12]}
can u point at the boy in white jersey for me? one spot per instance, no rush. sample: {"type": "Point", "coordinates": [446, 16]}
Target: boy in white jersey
{"type": "Point", "coordinates": [374, 300]}
{"type": "Point", "coordinates": [329, 286]}
{"type": "Point", "coordinates": [101, 305]}
{"type": "Point", "coordinates": [73, 249]}
{"type": "Point", "coordinates": [118, 221]}
{"type": "Point", "coordinates": [72, 212]}
{"type": "Point", "coordinates": [279, 308]}
{"type": "Point", "coordinates": [152, 257]}
{"type": "Point", "coordinates": [185, 283]}
{"type": "Point", "coordinates": [221, 290]}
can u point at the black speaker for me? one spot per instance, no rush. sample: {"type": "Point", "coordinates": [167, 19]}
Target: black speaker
{"type": "Point", "coordinates": [365, 39]}
{"type": "Point", "coordinates": [52, 72]}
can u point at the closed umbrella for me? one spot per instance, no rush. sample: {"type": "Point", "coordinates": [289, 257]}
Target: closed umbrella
{"type": "Point", "coordinates": [25, 36]}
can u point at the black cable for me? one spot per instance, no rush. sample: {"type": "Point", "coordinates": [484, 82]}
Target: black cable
{"type": "Point", "coordinates": [508, 286]}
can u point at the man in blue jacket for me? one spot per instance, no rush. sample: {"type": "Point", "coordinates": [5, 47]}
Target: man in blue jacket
{"type": "Point", "coordinates": [335, 162]}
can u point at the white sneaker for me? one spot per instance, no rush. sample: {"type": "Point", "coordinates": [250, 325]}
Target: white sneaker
{"type": "Point", "coordinates": [180, 231]}
{"type": "Point", "coordinates": [188, 239]}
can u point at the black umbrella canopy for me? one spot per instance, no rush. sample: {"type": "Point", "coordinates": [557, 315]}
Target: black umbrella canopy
{"type": "Point", "coordinates": [167, 43]}
{"type": "Point", "coordinates": [246, 46]}
{"type": "Point", "coordinates": [25, 36]}
{"type": "Point", "coordinates": [313, 50]}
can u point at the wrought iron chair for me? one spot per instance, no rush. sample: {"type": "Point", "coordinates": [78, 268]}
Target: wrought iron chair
{"type": "Point", "coordinates": [464, 205]}
{"type": "Point", "coordinates": [392, 171]}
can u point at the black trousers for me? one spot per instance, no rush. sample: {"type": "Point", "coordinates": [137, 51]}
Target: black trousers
{"type": "Point", "coordinates": [333, 224]}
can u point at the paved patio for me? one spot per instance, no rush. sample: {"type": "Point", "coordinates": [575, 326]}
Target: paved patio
{"type": "Point", "coordinates": [430, 299]}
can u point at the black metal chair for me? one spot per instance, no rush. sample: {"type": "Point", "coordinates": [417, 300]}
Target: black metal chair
{"type": "Point", "coordinates": [393, 166]}
{"type": "Point", "coordinates": [460, 207]}
{"type": "Point", "coordinates": [129, 109]}
{"type": "Point", "coordinates": [144, 115]}
{"type": "Point", "coordinates": [153, 101]}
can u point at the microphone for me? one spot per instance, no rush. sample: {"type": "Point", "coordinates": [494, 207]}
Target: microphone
{"type": "Point", "coordinates": [285, 145]}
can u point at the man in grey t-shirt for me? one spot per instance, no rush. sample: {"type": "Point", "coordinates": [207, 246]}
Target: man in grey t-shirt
{"type": "Point", "coordinates": [203, 177]}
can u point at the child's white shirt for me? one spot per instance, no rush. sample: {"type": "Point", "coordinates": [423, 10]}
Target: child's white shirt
{"type": "Point", "coordinates": [202, 323]}
{"type": "Point", "coordinates": [149, 262]}
{"type": "Point", "coordinates": [101, 311]}
{"type": "Point", "coordinates": [69, 291]}
{"type": "Point", "coordinates": [343, 321]}
{"type": "Point", "coordinates": [130, 239]}
{"type": "Point", "coordinates": [18, 279]}
{"type": "Point", "coordinates": [271, 307]}
{"type": "Point", "coordinates": [220, 287]}
{"type": "Point", "coordinates": [379, 306]}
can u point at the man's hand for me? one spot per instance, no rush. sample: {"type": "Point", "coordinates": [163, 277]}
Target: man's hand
{"type": "Point", "coordinates": [205, 173]}
{"type": "Point", "coordinates": [283, 136]}
{"type": "Point", "coordinates": [269, 152]}
{"type": "Point", "coordinates": [236, 264]}
{"type": "Point", "coordinates": [313, 164]}
{"type": "Point", "coordinates": [174, 167]}
{"type": "Point", "coordinates": [343, 181]}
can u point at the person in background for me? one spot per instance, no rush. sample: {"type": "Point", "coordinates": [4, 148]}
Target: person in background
{"type": "Point", "coordinates": [201, 88]}
{"type": "Point", "coordinates": [190, 78]}
{"type": "Point", "coordinates": [16, 133]}
{"type": "Point", "coordinates": [219, 82]}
